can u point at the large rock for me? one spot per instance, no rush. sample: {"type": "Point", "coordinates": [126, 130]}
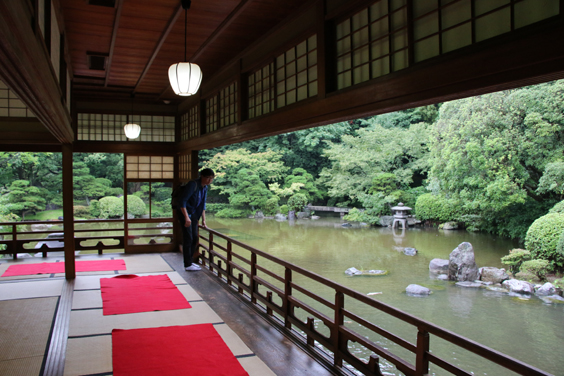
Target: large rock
{"type": "Point", "coordinates": [438, 266]}
{"type": "Point", "coordinates": [353, 271]}
{"type": "Point", "coordinates": [493, 275]}
{"type": "Point", "coordinates": [462, 266]}
{"type": "Point", "coordinates": [520, 287]}
{"type": "Point", "coordinates": [302, 215]}
{"type": "Point", "coordinates": [417, 290]}
{"type": "Point", "coordinates": [546, 289]}
{"type": "Point", "coordinates": [280, 217]}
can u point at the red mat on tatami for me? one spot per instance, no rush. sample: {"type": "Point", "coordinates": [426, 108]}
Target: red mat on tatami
{"type": "Point", "coordinates": [59, 267]}
{"type": "Point", "coordinates": [132, 294]}
{"type": "Point", "coordinates": [195, 350]}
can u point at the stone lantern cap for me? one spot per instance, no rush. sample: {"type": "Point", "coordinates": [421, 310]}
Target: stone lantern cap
{"type": "Point", "coordinates": [401, 207]}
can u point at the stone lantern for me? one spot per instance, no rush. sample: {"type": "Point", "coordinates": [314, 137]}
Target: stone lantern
{"type": "Point", "coordinates": [400, 215]}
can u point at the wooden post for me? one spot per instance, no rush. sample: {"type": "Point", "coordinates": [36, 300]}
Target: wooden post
{"type": "Point", "coordinates": [14, 241]}
{"type": "Point", "coordinates": [253, 275]}
{"type": "Point", "coordinates": [421, 359]}
{"type": "Point", "coordinates": [311, 328]}
{"type": "Point", "coordinates": [269, 299]}
{"type": "Point", "coordinates": [210, 247]}
{"type": "Point", "coordinates": [229, 271]}
{"type": "Point", "coordinates": [339, 320]}
{"type": "Point", "coordinates": [68, 214]}
{"type": "Point", "coordinates": [288, 308]}
{"type": "Point", "coordinates": [240, 281]}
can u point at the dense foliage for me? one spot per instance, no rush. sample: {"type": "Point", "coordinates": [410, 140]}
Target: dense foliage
{"type": "Point", "coordinates": [543, 238]}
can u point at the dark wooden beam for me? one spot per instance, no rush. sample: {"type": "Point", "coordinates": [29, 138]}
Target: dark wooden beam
{"type": "Point", "coordinates": [160, 43]}
{"type": "Point", "coordinates": [119, 8]}
{"type": "Point", "coordinates": [26, 69]}
{"type": "Point", "coordinates": [128, 147]}
{"type": "Point", "coordinates": [68, 212]}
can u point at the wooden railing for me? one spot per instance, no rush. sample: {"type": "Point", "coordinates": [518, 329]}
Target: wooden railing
{"type": "Point", "coordinates": [254, 277]}
{"type": "Point", "coordinates": [22, 237]}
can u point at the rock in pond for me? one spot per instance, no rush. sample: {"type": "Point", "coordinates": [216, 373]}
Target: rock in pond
{"type": "Point", "coordinates": [449, 226]}
{"type": "Point", "coordinates": [546, 289]}
{"type": "Point", "coordinates": [462, 266]}
{"type": "Point", "coordinates": [553, 299]}
{"type": "Point", "coordinates": [354, 271]}
{"type": "Point", "coordinates": [416, 290]}
{"type": "Point", "coordinates": [438, 266]}
{"type": "Point", "coordinates": [494, 275]}
{"type": "Point", "coordinates": [280, 217]}
{"type": "Point", "coordinates": [409, 251]}
{"type": "Point", "coordinates": [520, 287]}
{"type": "Point", "coordinates": [469, 284]}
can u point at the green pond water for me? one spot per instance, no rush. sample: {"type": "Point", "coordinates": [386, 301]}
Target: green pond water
{"type": "Point", "coordinates": [523, 327]}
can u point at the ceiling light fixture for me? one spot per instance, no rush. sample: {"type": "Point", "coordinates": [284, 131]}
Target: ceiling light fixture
{"type": "Point", "coordinates": [185, 78]}
{"type": "Point", "coordinates": [131, 129]}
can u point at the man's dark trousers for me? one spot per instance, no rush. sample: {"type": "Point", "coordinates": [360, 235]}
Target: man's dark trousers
{"type": "Point", "coordinates": [189, 238]}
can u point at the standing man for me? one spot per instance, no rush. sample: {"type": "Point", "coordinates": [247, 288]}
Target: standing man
{"type": "Point", "coordinates": [192, 206]}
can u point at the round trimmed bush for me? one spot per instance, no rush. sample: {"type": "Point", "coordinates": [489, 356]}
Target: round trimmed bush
{"type": "Point", "coordinates": [111, 207]}
{"type": "Point", "coordinates": [558, 208]}
{"type": "Point", "coordinates": [135, 206]}
{"type": "Point", "coordinates": [543, 237]}
{"type": "Point", "coordinates": [297, 202]}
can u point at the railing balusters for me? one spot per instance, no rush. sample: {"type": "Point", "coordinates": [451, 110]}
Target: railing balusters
{"type": "Point", "coordinates": [15, 241]}
{"type": "Point", "coordinates": [210, 253]}
{"type": "Point", "coordinates": [340, 335]}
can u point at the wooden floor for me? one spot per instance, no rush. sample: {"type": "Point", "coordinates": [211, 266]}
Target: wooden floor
{"type": "Point", "coordinates": [51, 326]}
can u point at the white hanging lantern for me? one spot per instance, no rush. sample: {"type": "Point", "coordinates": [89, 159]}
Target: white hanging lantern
{"type": "Point", "coordinates": [185, 78]}
{"type": "Point", "coordinates": [132, 130]}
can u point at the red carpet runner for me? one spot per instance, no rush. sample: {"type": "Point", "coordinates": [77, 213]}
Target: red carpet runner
{"type": "Point", "coordinates": [195, 350]}
{"type": "Point", "coordinates": [59, 267]}
{"type": "Point", "coordinates": [132, 294]}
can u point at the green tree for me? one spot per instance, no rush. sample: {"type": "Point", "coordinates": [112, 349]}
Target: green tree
{"type": "Point", "coordinates": [358, 160]}
{"type": "Point", "coordinates": [21, 198]}
{"type": "Point", "coordinates": [110, 207]}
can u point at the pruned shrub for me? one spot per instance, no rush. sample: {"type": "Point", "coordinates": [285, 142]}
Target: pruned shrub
{"type": "Point", "coordinates": [536, 267]}
{"type": "Point", "coordinates": [437, 208]}
{"type": "Point", "coordinates": [297, 202]}
{"type": "Point", "coordinates": [284, 209]}
{"type": "Point", "coordinates": [81, 211]}
{"type": "Point", "coordinates": [111, 207]}
{"type": "Point", "coordinates": [543, 238]}
{"type": "Point", "coordinates": [135, 206]}
{"type": "Point", "coordinates": [271, 205]}
{"type": "Point", "coordinates": [558, 208]}
{"type": "Point", "coordinates": [515, 258]}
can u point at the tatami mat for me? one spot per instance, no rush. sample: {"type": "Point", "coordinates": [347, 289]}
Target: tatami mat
{"type": "Point", "coordinates": [21, 367]}
{"type": "Point", "coordinates": [31, 289]}
{"type": "Point", "coordinates": [255, 367]}
{"type": "Point", "coordinates": [93, 322]}
{"type": "Point", "coordinates": [25, 327]}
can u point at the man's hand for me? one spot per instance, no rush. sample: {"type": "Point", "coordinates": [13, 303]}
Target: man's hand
{"type": "Point", "coordinates": [204, 224]}
{"type": "Point", "coordinates": [188, 222]}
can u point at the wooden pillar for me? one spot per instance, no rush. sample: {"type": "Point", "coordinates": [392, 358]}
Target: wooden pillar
{"type": "Point", "coordinates": [68, 215]}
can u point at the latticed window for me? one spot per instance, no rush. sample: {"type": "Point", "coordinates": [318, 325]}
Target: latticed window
{"type": "Point", "coordinates": [374, 42]}
{"type": "Point", "coordinates": [228, 105]}
{"type": "Point", "coordinates": [211, 114]}
{"type": "Point", "coordinates": [190, 124]}
{"type": "Point", "coordinates": [221, 108]}
{"type": "Point", "coordinates": [11, 105]}
{"type": "Point", "coordinates": [149, 167]}
{"type": "Point", "coordinates": [185, 167]}
{"type": "Point", "coordinates": [296, 73]}
{"type": "Point", "coordinates": [109, 127]}
{"type": "Point", "coordinates": [261, 91]}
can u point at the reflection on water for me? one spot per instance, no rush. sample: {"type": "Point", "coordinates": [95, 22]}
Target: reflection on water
{"type": "Point", "coordinates": [526, 329]}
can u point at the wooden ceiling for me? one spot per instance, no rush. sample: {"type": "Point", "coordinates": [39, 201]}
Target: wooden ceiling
{"type": "Point", "coordinates": [140, 39]}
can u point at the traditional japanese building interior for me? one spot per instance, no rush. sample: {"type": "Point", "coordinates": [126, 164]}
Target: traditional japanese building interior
{"type": "Point", "coordinates": [74, 72]}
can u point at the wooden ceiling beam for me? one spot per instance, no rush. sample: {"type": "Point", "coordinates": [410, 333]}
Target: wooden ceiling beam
{"type": "Point", "coordinates": [158, 47]}
{"type": "Point", "coordinates": [119, 8]}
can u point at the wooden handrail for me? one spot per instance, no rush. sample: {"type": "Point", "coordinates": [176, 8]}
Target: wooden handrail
{"type": "Point", "coordinates": [340, 335]}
